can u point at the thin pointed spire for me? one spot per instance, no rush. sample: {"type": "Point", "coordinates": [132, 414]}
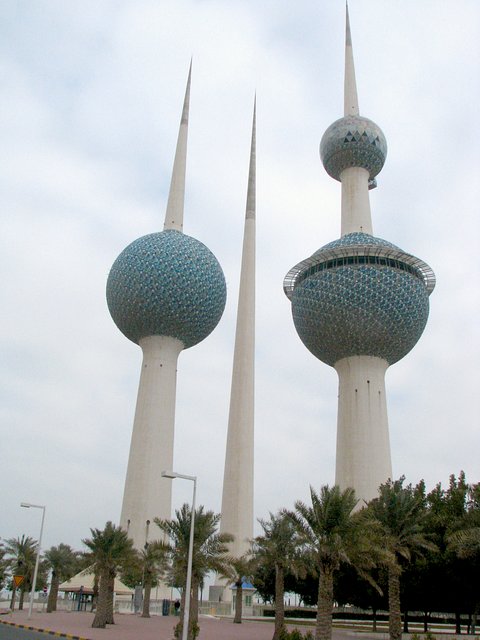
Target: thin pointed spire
{"type": "Point", "coordinates": [176, 196]}
{"type": "Point", "coordinates": [251, 192]}
{"type": "Point", "coordinates": [350, 93]}
{"type": "Point", "coordinates": [237, 498]}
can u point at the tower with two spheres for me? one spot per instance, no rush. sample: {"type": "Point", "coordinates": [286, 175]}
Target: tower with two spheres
{"type": "Point", "coordinates": [359, 303]}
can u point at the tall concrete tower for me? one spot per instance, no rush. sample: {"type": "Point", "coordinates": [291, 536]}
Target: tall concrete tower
{"type": "Point", "coordinates": [166, 292]}
{"type": "Point", "coordinates": [359, 303]}
{"type": "Point", "coordinates": [237, 499]}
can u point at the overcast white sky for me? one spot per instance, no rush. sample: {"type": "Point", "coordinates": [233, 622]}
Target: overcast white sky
{"type": "Point", "coordinates": [89, 112]}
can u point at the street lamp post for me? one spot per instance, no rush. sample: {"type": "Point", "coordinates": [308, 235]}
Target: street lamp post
{"type": "Point", "coordinates": [188, 586]}
{"type": "Point", "coordinates": [27, 505]}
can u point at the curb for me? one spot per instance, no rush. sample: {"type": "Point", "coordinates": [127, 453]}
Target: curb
{"type": "Point", "coordinates": [49, 632]}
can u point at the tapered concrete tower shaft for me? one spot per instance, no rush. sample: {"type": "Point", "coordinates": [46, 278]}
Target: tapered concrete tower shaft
{"type": "Point", "coordinates": [146, 494]}
{"type": "Point", "coordinates": [363, 458]}
{"type": "Point", "coordinates": [176, 196]}
{"type": "Point", "coordinates": [237, 499]}
{"type": "Point", "coordinates": [356, 214]}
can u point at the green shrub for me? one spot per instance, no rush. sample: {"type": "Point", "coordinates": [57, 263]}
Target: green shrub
{"type": "Point", "coordinates": [194, 630]}
{"type": "Point", "coordinates": [295, 634]}
{"type": "Point", "coordinates": [429, 636]}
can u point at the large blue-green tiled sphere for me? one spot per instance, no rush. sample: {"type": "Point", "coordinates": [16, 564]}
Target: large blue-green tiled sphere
{"type": "Point", "coordinates": [360, 295]}
{"type": "Point", "coordinates": [353, 141]}
{"type": "Point", "coordinates": [166, 284]}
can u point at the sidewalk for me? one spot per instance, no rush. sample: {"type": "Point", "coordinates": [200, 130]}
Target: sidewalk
{"type": "Point", "coordinates": [74, 624]}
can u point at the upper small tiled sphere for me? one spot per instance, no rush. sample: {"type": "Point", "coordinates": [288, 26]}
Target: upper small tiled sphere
{"type": "Point", "coordinates": [353, 141]}
{"type": "Point", "coordinates": [166, 284]}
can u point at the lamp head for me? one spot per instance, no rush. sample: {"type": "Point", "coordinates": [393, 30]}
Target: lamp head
{"type": "Point", "coordinates": [169, 474]}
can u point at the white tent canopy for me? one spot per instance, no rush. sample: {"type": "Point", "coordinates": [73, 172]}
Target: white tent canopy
{"type": "Point", "coordinates": [85, 579]}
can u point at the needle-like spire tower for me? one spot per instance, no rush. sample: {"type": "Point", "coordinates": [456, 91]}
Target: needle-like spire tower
{"type": "Point", "coordinates": [350, 92]}
{"type": "Point", "coordinates": [237, 499]}
{"type": "Point", "coordinates": [176, 196]}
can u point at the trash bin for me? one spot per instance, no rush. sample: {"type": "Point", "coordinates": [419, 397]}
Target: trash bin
{"type": "Point", "coordinates": [165, 607]}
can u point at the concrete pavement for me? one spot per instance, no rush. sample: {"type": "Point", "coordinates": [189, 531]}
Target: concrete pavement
{"type": "Point", "coordinates": [74, 624]}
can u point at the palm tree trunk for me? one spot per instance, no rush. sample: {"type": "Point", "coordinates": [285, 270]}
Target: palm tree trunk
{"type": "Point", "coordinates": [100, 619]}
{"type": "Point", "coordinates": [193, 622]}
{"type": "Point", "coordinates": [474, 618]}
{"type": "Point", "coordinates": [279, 606]}
{"type": "Point", "coordinates": [12, 601]}
{"type": "Point", "coordinates": [238, 603]}
{"type": "Point", "coordinates": [458, 623]}
{"type": "Point", "coordinates": [394, 615]}
{"type": "Point", "coordinates": [323, 629]}
{"type": "Point", "coordinates": [146, 598]}
{"type": "Point", "coordinates": [53, 595]}
{"type": "Point", "coordinates": [179, 625]}
{"type": "Point", "coordinates": [22, 596]}
{"type": "Point", "coordinates": [111, 595]}
{"type": "Point", "coordinates": [95, 591]}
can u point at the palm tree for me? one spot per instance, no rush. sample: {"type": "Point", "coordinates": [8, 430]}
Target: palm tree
{"type": "Point", "coordinates": [401, 513]}
{"type": "Point", "coordinates": [464, 538]}
{"type": "Point", "coordinates": [278, 548]}
{"type": "Point", "coordinates": [3, 566]}
{"type": "Point", "coordinates": [110, 549]}
{"type": "Point", "coordinates": [332, 533]}
{"type": "Point", "coordinates": [21, 561]}
{"type": "Point", "coordinates": [465, 542]}
{"type": "Point", "coordinates": [239, 571]}
{"type": "Point", "coordinates": [210, 553]}
{"type": "Point", "coordinates": [153, 559]}
{"type": "Point", "coordinates": [63, 561]}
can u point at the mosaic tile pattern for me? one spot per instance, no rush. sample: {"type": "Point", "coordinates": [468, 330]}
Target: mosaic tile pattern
{"type": "Point", "coordinates": [355, 239]}
{"type": "Point", "coordinates": [365, 310]}
{"type": "Point", "coordinates": [358, 248]}
{"type": "Point", "coordinates": [353, 141]}
{"type": "Point", "coordinates": [166, 284]}
{"type": "Point", "coordinates": [359, 309]}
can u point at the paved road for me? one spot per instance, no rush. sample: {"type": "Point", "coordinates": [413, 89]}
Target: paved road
{"type": "Point", "coordinates": [12, 633]}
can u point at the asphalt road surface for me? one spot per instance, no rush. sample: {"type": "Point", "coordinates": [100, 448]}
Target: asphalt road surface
{"type": "Point", "coordinates": [12, 633]}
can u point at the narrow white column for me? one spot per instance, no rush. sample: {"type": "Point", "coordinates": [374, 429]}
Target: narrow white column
{"type": "Point", "coordinates": [363, 444]}
{"type": "Point", "coordinates": [176, 195]}
{"type": "Point", "coordinates": [237, 498]}
{"type": "Point", "coordinates": [356, 214]}
{"type": "Point", "coordinates": [350, 102]}
{"type": "Point", "coordinates": [146, 494]}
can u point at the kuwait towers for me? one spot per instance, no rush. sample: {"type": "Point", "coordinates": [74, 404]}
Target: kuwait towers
{"type": "Point", "coordinates": [166, 292]}
{"type": "Point", "coordinates": [360, 303]}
